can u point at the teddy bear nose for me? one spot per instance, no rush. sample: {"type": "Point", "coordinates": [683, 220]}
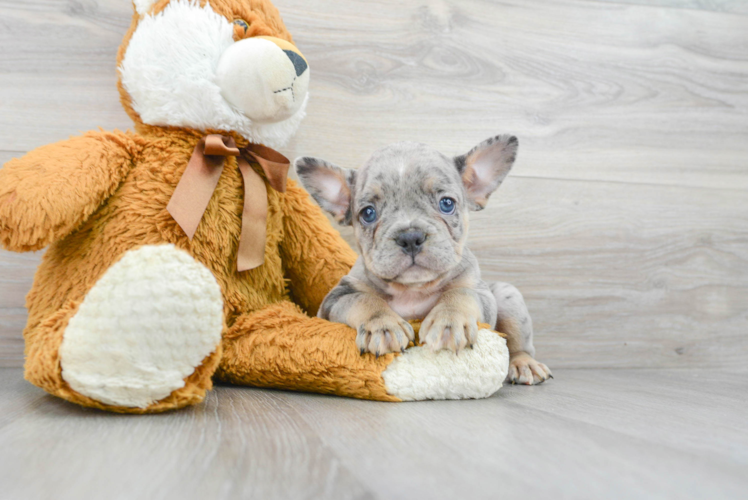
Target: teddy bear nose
{"type": "Point", "coordinates": [411, 241]}
{"type": "Point", "coordinates": [298, 62]}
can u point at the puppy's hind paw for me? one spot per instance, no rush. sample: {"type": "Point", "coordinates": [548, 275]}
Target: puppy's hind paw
{"type": "Point", "coordinates": [525, 370]}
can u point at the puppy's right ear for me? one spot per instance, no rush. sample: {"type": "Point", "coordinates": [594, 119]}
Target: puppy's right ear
{"type": "Point", "coordinates": [330, 186]}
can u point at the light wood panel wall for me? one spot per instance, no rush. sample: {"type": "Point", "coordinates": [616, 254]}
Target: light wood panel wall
{"type": "Point", "coordinates": [625, 221]}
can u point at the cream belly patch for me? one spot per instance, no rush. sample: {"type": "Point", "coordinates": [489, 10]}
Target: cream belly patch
{"type": "Point", "coordinates": [143, 328]}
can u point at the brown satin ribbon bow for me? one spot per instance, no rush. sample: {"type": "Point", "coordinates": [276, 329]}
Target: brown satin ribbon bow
{"type": "Point", "coordinates": [199, 181]}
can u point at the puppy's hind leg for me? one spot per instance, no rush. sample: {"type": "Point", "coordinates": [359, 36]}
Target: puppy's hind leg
{"type": "Point", "coordinates": [514, 320]}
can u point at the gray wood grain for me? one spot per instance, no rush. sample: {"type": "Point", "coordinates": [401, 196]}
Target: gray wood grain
{"type": "Point", "coordinates": [587, 434]}
{"type": "Point", "coordinates": [16, 277]}
{"type": "Point", "coordinates": [730, 6]}
{"type": "Point", "coordinates": [12, 321]}
{"type": "Point", "coordinates": [624, 221]}
{"type": "Point", "coordinates": [595, 91]}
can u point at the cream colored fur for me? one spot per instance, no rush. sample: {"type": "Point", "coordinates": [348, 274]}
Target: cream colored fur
{"type": "Point", "coordinates": [143, 328]}
{"type": "Point", "coordinates": [475, 373]}
{"type": "Point", "coordinates": [272, 94]}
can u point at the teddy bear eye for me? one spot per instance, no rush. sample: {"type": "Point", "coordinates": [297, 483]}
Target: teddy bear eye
{"type": "Point", "coordinates": [242, 23]}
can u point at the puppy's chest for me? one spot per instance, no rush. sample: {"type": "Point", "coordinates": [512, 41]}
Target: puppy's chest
{"type": "Point", "coordinates": [412, 304]}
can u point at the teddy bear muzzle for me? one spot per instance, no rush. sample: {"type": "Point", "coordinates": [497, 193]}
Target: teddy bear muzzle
{"type": "Point", "coordinates": [264, 78]}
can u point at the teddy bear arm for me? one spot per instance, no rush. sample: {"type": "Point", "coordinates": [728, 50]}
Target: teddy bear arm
{"type": "Point", "coordinates": [49, 192]}
{"type": "Point", "coordinates": [314, 254]}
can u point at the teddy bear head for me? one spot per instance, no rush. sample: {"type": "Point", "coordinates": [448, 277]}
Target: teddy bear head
{"type": "Point", "coordinates": [221, 65]}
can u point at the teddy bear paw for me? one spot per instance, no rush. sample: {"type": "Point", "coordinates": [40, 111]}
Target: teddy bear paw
{"type": "Point", "coordinates": [422, 374]}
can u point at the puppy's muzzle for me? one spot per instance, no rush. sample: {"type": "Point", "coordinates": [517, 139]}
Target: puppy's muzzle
{"type": "Point", "coordinates": [411, 241]}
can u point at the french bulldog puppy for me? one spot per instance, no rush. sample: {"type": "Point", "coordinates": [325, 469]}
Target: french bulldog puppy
{"type": "Point", "coordinates": [409, 207]}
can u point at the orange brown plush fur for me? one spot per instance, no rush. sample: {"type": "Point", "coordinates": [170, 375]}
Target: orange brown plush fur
{"type": "Point", "coordinates": [120, 273]}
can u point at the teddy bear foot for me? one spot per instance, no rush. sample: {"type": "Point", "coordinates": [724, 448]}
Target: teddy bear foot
{"type": "Point", "coordinates": [421, 374]}
{"type": "Point", "coordinates": [143, 328]}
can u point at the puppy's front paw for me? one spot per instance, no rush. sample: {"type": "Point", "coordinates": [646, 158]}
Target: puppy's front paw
{"type": "Point", "coordinates": [449, 328]}
{"type": "Point", "coordinates": [383, 333]}
{"type": "Point", "coordinates": [523, 369]}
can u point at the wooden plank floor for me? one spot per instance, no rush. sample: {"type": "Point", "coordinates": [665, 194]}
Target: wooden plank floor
{"type": "Point", "coordinates": [589, 434]}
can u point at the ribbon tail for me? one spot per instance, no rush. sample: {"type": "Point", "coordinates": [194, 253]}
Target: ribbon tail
{"type": "Point", "coordinates": [195, 189]}
{"type": "Point", "coordinates": [254, 219]}
{"type": "Point", "coordinates": [274, 164]}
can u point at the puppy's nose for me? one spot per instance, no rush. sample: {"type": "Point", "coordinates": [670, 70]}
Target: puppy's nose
{"type": "Point", "coordinates": [411, 241]}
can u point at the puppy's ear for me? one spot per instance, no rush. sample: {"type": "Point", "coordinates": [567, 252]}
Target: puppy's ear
{"type": "Point", "coordinates": [484, 168]}
{"type": "Point", "coordinates": [330, 186]}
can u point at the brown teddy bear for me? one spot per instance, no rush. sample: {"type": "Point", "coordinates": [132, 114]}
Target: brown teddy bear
{"type": "Point", "coordinates": [180, 252]}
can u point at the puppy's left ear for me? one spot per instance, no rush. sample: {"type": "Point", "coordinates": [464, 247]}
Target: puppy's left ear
{"type": "Point", "coordinates": [330, 185]}
{"type": "Point", "coordinates": [484, 168]}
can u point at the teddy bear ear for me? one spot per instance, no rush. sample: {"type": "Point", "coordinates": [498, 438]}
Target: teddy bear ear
{"type": "Point", "coordinates": [143, 6]}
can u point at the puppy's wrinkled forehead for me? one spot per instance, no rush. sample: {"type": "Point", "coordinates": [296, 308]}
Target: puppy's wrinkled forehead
{"type": "Point", "coordinates": [404, 169]}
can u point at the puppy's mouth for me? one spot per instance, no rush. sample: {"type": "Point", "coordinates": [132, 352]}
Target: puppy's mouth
{"type": "Point", "coordinates": [417, 274]}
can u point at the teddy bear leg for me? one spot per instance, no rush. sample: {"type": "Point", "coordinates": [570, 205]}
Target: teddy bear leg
{"type": "Point", "coordinates": [145, 338]}
{"type": "Point", "coordinates": [282, 348]}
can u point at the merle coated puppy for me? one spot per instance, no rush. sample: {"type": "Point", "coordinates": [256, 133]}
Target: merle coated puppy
{"type": "Point", "coordinates": [409, 207]}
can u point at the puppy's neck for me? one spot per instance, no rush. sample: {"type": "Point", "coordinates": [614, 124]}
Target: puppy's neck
{"type": "Point", "coordinates": [415, 301]}
{"type": "Point", "coordinates": [393, 287]}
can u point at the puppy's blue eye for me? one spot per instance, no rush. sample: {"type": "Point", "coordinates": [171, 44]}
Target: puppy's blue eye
{"type": "Point", "coordinates": [447, 205]}
{"type": "Point", "coordinates": [368, 215]}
